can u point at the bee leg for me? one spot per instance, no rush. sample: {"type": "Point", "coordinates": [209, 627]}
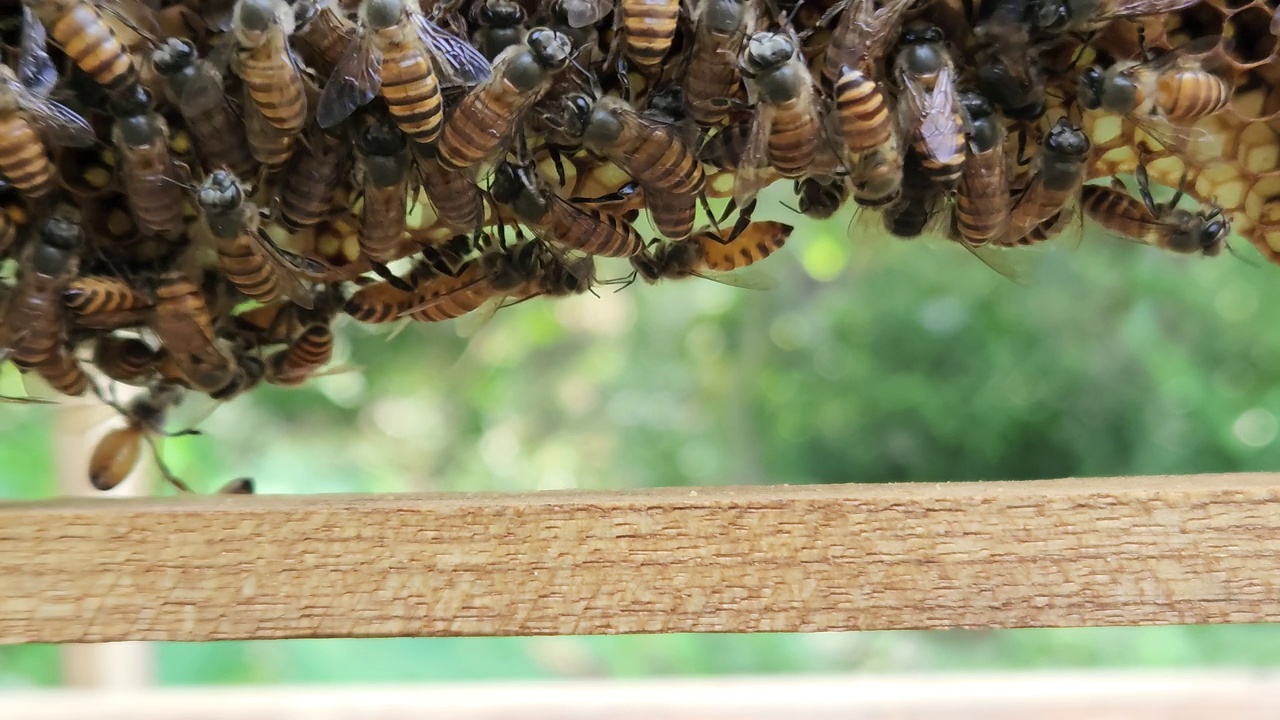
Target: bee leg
{"type": "Point", "coordinates": [1144, 189]}
{"type": "Point", "coordinates": [167, 474]}
{"type": "Point", "coordinates": [706, 207]}
{"type": "Point", "coordinates": [739, 227]}
{"type": "Point", "coordinates": [392, 279]}
{"type": "Point", "coordinates": [557, 160]}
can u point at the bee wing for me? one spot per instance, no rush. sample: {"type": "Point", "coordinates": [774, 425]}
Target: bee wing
{"type": "Point", "coordinates": [36, 70]}
{"type": "Point", "coordinates": [456, 62]}
{"type": "Point", "coordinates": [754, 172]}
{"type": "Point", "coordinates": [586, 12]}
{"type": "Point", "coordinates": [872, 30]}
{"type": "Point", "coordinates": [204, 91]}
{"type": "Point", "coordinates": [747, 278]}
{"type": "Point", "coordinates": [1002, 260]}
{"type": "Point", "coordinates": [288, 267]}
{"type": "Point", "coordinates": [1193, 144]}
{"type": "Point", "coordinates": [61, 125]}
{"type": "Point", "coordinates": [938, 131]}
{"type": "Point", "coordinates": [355, 81]}
{"type": "Point", "coordinates": [1132, 8]}
{"type": "Point", "coordinates": [26, 400]}
{"type": "Point", "coordinates": [436, 298]}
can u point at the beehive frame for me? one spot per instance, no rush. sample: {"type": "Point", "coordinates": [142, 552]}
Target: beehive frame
{"type": "Point", "coordinates": [1061, 553]}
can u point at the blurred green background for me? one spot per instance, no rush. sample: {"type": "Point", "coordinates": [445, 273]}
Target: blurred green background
{"type": "Point", "coordinates": [874, 360]}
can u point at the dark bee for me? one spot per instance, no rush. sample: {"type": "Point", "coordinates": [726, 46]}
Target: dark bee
{"type": "Point", "coordinates": [33, 321]}
{"type": "Point", "coordinates": [928, 105]}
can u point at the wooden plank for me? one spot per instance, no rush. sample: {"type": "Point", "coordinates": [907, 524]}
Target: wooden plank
{"type": "Point", "coordinates": [1136, 551]}
{"type": "Point", "coordinates": [1045, 696]}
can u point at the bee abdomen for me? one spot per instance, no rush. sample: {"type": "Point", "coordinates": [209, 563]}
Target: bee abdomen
{"type": "Point", "coordinates": [220, 140]}
{"type": "Point", "coordinates": [276, 89]}
{"type": "Point", "coordinates": [1190, 95]}
{"type": "Point", "coordinates": [377, 303]}
{"type": "Point", "coordinates": [649, 26]}
{"type": "Point", "coordinates": [457, 200]}
{"type": "Point", "coordinates": [309, 352]}
{"type": "Point", "coordinates": [63, 372]}
{"type": "Point", "coordinates": [793, 140]}
{"type": "Point", "coordinates": [865, 120]}
{"type": "Point", "coordinates": [22, 157]}
{"type": "Point", "coordinates": [248, 270]}
{"type": "Point", "coordinates": [476, 127]}
{"type": "Point", "coordinates": [383, 222]}
{"type": "Point", "coordinates": [95, 294]}
{"type": "Point", "coordinates": [673, 214]}
{"type": "Point", "coordinates": [594, 232]}
{"type": "Point", "coordinates": [413, 95]}
{"type": "Point", "coordinates": [89, 41]}
{"type": "Point", "coordinates": [1045, 229]}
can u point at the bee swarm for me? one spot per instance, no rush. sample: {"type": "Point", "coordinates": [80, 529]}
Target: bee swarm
{"type": "Point", "coordinates": [195, 191]}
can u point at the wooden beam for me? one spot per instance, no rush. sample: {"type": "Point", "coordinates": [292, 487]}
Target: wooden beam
{"type": "Point", "coordinates": [1120, 551]}
{"type": "Point", "coordinates": [1044, 696]}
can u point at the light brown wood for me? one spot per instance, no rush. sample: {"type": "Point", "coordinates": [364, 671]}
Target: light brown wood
{"type": "Point", "coordinates": [1043, 696]}
{"type": "Point", "coordinates": [1137, 551]}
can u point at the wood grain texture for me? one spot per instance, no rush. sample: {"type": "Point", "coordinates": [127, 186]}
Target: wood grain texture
{"type": "Point", "coordinates": [1120, 551]}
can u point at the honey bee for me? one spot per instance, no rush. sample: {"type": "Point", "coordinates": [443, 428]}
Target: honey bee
{"type": "Point", "coordinates": [23, 158]}
{"type": "Point", "coordinates": [877, 174]}
{"type": "Point", "coordinates": [1008, 71]}
{"type": "Point", "coordinates": [268, 144]}
{"type": "Point", "coordinates": [125, 359]}
{"type": "Point", "coordinates": [821, 197]}
{"type": "Point", "coordinates": [1163, 225]}
{"type": "Point", "coordinates": [1062, 167]}
{"type": "Point", "coordinates": [1047, 229]}
{"type": "Point", "coordinates": [982, 198]}
{"type": "Point", "coordinates": [445, 297]}
{"type": "Point", "coordinates": [499, 24]}
{"type": "Point", "coordinates": [79, 28]}
{"type": "Point", "coordinates": [1078, 16]}
{"type": "Point", "coordinates": [724, 150]}
{"type": "Point", "coordinates": [250, 260]}
{"type": "Point", "coordinates": [859, 40]}
{"type": "Point", "coordinates": [184, 325]}
{"type": "Point", "coordinates": [378, 302]}
{"type": "Point", "coordinates": [316, 173]}
{"type": "Point", "coordinates": [457, 200]}
{"type": "Point", "coordinates": [486, 116]}
{"type": "Point", "coordinates": [709, 255]}
{"type": "Point", "coordinates": [265, 61]}
{"type": "Point", "coordinates": [786, 130]}
{"type": "Point", "coordinates": [33, 321]}
{"type": "Point", "coordinates": [196, 88]}
{"type": "Point", "coordinates": [308, 352]}
{"type": "Point", "coordinates": [1173, 86]}
{"type": "Point", "coordinates": [104, 302]}
{"type": "Point", "coordinates": [928, 106]}
{"type": "Point", "coordinates": [385, 189]}
{"type": "Point", "coordinates": [560, 221]}
{"type": "Point", "coordinates": [405, 58]}
{"type": "Point", "coordinates": [147, 170]}
{"type": "Point", "coordinates": [117, 453]}
{"type": "Point", "coordinates": [647, 30]}
{"type": "Point", "coordinates": [325, 29]}
{"type": "Point", "coordinates": [711, 80]}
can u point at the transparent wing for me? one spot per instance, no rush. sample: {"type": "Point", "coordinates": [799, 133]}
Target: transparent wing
{"type": "Point", "coordinates": [751, 277]}
{"type": "Point", "coordinates": [754, 173]}
{"type": "Point", "coordinates": [204, 91]}
{"type": "Point", "coordinates": [584, 13]}
{"type": "Point", "coordinates": [941, 130]}
{"type": "Point", "coordinates": [59, 124]}
{"type": "Point", "coordinates": [355, 81]}
{"type": "Point", "coordinates": [290, 269]}
{"type": "Point", "coordinates": [36, 71]}
{"type": "Point", "coordinates": [457, 63]}
{"type": "Point", "coordinates": [1193, 144]}
{"type": "Point", "coordinates": [1132, 8]}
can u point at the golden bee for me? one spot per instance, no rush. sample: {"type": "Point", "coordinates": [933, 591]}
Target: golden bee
{"type": "Point", "coordinates": [710, 255]}
{"type": "Point", "coordinates": [712, 79]}
{"type": "Point", "coordinates": [79, 28]}
{"type": "Point", "coordinates": [325, 31]}
{"type": "Point", "coordinates": [860, 38]}
{"type": "Point", "coordinates": [929, 106]}
{"type": "Point", "coordinates": [1061, 171]}
{"type": "Point", "coordinates": [196, 88]}
{"type": "Point", "coordinates": [982, 197]}
{"type": "Point", "coordinates": [646, 31]}
{"type": "Point", "coordinates": [147, 171]}
{"type": "Point", "coordinates": [265, 61]}
{"type": "Point", "coordinates": [105, 302]}
{"type": "Point", "coordinates": [307, 353]}
{"type": "Point", "coordinates": [1163, 225]}
{"type": "Point", "coordinates": [25, 116]}
{"type": "Point", "coordinates": [385, 188]}
{"type": "Point", "coordinates": [405, 58]}
{"type": "Point", "coordinates": [182, 321]}
{"type": "Point", "coordinates": [446, 297]}
{"type": "Point", "coordinates": [63, 372]}
{"type": "Point", "coordinates": [457, 200]}
{"type": "Point", "coordinates": [316, 173]}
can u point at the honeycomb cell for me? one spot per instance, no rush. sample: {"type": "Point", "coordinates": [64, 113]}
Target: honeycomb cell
{"type": "Point", "coordinates": [1250, 34]}
{"type": "Point", "coordinates": [1253, 99]}
{"type": "Point", "coordinates": [1203, 20]}
{"type": "Point", "coordinates": [1259, 152]}
{"type": "Point", "coordinates": [1223, 185]}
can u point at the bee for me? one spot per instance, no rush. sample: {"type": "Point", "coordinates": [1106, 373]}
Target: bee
{"type": "Point", "coordinates": [1047, 229]}
{"type": "Point", "coordinates": [33, 319]}
{"type": "Point", "coordinates": [79, 28]}
{"type": "Point", "coordinates": [23, 157]}
{"type": "Point", "coordinates": [104, 302]}
{"type": "Point", "coordinates": [709, 255]}
{"type": "Point", "coordinates": [786, 129]}
{"type": "Point", "coordinates": [325, 29]}
{"type": "Point", "coordinates": [268, 144]}
{"type": "Point", "coordinates": [147, 170]}
{"type": "Point", "coordinates": [929, 107]}
{"type": "Point", "coordinates": [124, 359]}
{"type": "Point", "coordinates": [385, 162]}
{"type": "Point", "coordinates": [711, 80]}
{"type": "Point", "coordinates": [1064, 16]}
{"type": "Point", "coordinates": [499, 24]}
{"type": "Point", "coordinates": [62, 371]}
{"type": "Point", "coordinates": [1164, 225]}
{"type": "Point", "coordinates": [184, 325]}
{"type": "Point", "coordinates": [982, 197]}
{"type": "Point", "coordinates": [1008, 71]}
{"type": "Point", "coordinates": [560, 221]}
{"type": "Point", "coordinates": [532, 269]}
{"type": "Point", "coordinates": [1062, 167]}
{"type": "Point", "coordinates": [308, 352]}
{"type": "Point", "coordinates": [821, 197]}
{"type": "Point", "coordinates": [859, 40]}
{"type": "Point", "coordinates": [13, 216]}
{"type": "Point", "coordinates": [877, 174]}
{"type": "Point", "coordinates": [647, 30]}
{"type": "Point", "coordinates": [487, 115]}
{"type": "Point", "coordinates": [251, 261]}
{"type": "Point", "coordinates": [117, 453]}
{"type": "Point", "coordinates": [724, 150]}
{"type": "Point", "coordinates": [917, 204]}
{"type": "Point", "coordinates": [378, 302]}
{"type": "Point", "coordinates": [272, 74]}
{"type": "Point", "coordinates": [457, 200]}
{"type": "Point", "coordinates": [445, 297]}
{"type": "Point", "coordinates": [316, 173]}
{"type": "Point", "coordinates": [196, 88]}
{"type": "Point", "coordinates": [1173, 86]}
{"type": "Point", "coordinates": [405, 58]}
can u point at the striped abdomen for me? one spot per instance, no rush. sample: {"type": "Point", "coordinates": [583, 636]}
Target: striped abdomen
{"type": "Point", "coordinates": [658, 158]}
{"type": "Point", "coordinates": [1046, 229]}
{"type": "Point", "coordinates": [982, 198]}
{"type": "Point", "coordinates": [592, 231]}
{"type": "Point", "coordinates": [479, 123]}
{"type": "Point", "coordinates": [378, 303]}
{"type": "Point", "coordinates": [91, 44]}
{"type": "Point", "coordinates": [93, 294]}
{"type": "Point", "coordinates": [452, 297]}
{"type": "Point", "coordinates": [942, 147]}
{"type": "Point", "coordinates": [63, 372]}
{"type": "Point", "coordinates": [383, 221]}
{"type": "Point", "coordinates": [412, 92]}
{"type": "Point", "coordinates": [309, 352]}
{"type": "Point", "coordinates": [758, 241]}
{"type": "Point", "coordinates": [125, 359]}
{"type": "Point", "coordinates": [863, 114]}
{"type": "Point", "coordinates": [316, 174]}
{"type": "Point", "coordinates": [794, 137]}
{"type": "Point", "coordinates": [274, 84]}
{"type": "Point", "coordinates": [648, 27]}
{"type": "Point", "coordinates": [455, 197]}
{"type": "Point", "coordinates": [182, 323]}
{"type": "Point", "coordinates": [268, 144]}
{"type": "Point", "coordinates": [154, 195]}
{"type": "Point", "coordinates": [1118, 211]}
{"type": "Point", "coordinates": [219, 138]}
{"type": "Point", "coordinates": [712, 79]}
{"type": "Point", "coordinates": [1190, 94]}
{"type": "Point", "coordinates": [672, 214]}
{"type": "Point", "coordinates": [247, 267]}
{"type": "Point", "coordinates": [22, 157]}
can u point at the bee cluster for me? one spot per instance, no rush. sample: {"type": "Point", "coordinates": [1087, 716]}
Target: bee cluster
{"type": "Point", "coordinates": [195, 191]}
